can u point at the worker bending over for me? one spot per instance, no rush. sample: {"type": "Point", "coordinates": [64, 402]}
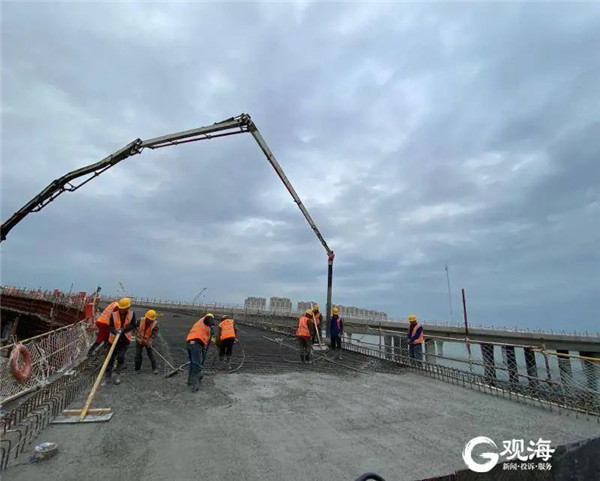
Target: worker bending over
{"type": "Point", "coordinates": [198, 340]}
{"type": "Point", "coordinates": [304, 333]}
{"type": "Point", "coordinates": [319, 322]}
{"type": "Point", "coordinates": [336, 330]}
{"type": "Point", "coordinates": [102, 324]}
{"type": "Point", "coordinates": [122, 322]}
{"type": "Point", "coordinates": [415, 338]}
{"type": "Point", "coordinates": [226, 334]}
{"type": "Point", "coordinates": [147, 331]}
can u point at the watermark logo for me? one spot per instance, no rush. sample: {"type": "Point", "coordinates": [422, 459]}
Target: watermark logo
{"type": "Point", "coordinates": [491, 458]}
{"type": "Point", "coordinates": [514, 449]}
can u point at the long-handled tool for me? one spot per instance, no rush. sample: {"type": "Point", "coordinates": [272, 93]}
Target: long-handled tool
{"type": "Point", "coordinates": [74, 416]}
{"type": "Point", "coordinates": [162, 357]}
{"type": "Point", "coordinates": [321, 346]}
{"type": "Point", "coordinates": [180, 368]}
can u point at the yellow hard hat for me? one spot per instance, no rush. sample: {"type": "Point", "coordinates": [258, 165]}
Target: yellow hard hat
{"type": "Point", "coordinates": [210, 314]}
{"type": "Point", "coordinates": [125, 303]}
{"type": "Point", "coordinates": [316, 307]}
{"type": "Point", "coordinates": [309, 312]}
{"type": "Point", "coordinates": [412, 318]}
{"type": "Point", "coordinates": [151, 314]}
{"type": "Point", "coordinates": [335, 310]}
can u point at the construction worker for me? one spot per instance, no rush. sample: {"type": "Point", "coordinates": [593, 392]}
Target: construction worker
{"type": "Point", "coordinates": [147, 331]}
{"type": "Point", "coordinates": [122, 321]}
{"type": "Point", "coordinates": [304, 333]}
{"type": "Point", "coordinates": [319, 320]}
{"type": "Point", "coordinates": [336, 330]}
{"type": "Point", "coordinates": [198, 340]}
{"type": "Point", "coordinates": [226, 334]}
{"type": "Point", "coordinates": [415, 338]}
{"type": "Point", "coordinates": [102, 324]}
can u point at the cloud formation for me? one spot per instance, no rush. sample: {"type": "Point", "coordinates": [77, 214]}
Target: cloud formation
{"type": "Point", "coordinates": [415, 135]}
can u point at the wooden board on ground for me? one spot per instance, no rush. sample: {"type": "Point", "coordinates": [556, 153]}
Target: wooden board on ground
{"type": "Point", "coordinates": [74, 418]}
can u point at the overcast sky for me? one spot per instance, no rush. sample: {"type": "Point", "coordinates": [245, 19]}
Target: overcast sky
{"type": "Point", "coordinates": [415, 134]}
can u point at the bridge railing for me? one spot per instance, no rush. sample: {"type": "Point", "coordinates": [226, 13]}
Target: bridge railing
{"type": "Point", "coordinates": [52, 354]}
{"type": "Point", "coordinates": [239, 308]}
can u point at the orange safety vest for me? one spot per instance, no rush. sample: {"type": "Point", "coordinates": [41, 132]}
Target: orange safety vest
{"type": "Point", "coordinates": [144, 335]}
{"type": "Point", "coordinates": [303, 330]}
{"type": "Point", "coordinates": [227, 329]}
{"type": "Point", "coordinates": [117, 319]}
{"type": "Point", "coordinates": [418, 340]}
{"type": "Point", "coordinates": [199, 332]}
{"type": "Point", "coordinates": [104, 318]}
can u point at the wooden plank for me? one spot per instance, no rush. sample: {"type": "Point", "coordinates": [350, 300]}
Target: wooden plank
{"type": "Point", "coordinates": [90, 398]}
{"type": "Point", "coordinates": [90, 411]}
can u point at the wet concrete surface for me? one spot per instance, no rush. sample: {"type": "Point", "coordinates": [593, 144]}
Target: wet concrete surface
{"type": "Point", "coordinates": [284, 422]}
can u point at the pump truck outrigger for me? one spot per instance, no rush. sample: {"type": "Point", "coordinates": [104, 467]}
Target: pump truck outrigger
{"type": "Point", "coordinates": [235, 125]}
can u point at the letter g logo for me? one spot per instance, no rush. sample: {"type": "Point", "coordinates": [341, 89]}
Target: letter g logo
{"type": "Point", "coordinates": [478, 467]}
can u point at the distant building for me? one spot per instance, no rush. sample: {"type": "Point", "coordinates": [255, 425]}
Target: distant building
{"type": "Point", "coordinates": [303, 305]}
{"type": "Point", "coordinates": [352, 312]}
{"type": "Point", "coordinates": [280, 304]}
{"type": "Point", "coordinates": [256, 303]}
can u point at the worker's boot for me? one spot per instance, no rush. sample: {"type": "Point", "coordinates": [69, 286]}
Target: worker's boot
{"type": "Point", "coordinates": [229, 363]}
{"type": "Point", "coordinates": [195, 383]}
{"type": "Point", "coordinates": [303, 358]}
{"type": "Point", "coordinates": [118, 379]}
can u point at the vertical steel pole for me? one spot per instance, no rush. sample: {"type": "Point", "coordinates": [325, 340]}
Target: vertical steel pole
{"type": "Point", "coordinates": [467, 329]}
{"type": "Point", "coordinates": [330, 258]}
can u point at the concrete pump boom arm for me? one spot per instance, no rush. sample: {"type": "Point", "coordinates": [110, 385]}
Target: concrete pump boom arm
{"type": "Point", "coordinates": [235, 125]}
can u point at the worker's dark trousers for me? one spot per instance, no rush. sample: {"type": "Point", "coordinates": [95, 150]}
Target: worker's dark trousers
{"type": "Point", "coordinates": [336, 341]}
{"type": "Point", "coordinates": [226, 348]}
{"type": "Point", "coordinates": [314, 337]}
{"type": "Point", "coordinates": [305, 348]}
{"type": "Point", "coordinates": [139, 349]}
{"type": "Point", "coordinates": [415, 351]}
{"type": "Point", "coordinates": [196, 354]}
{"type": "Point", "coordinates": [118, 355]}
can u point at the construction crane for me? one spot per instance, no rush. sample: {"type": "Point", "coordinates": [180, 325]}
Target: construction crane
{"type": "Point", "coordinates": [232, 126]}
{"type": "Point", "coordinates": [199, 295]}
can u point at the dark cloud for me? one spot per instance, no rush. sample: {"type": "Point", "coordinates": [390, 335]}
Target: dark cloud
{"type": "Point", "coordinates": [415, 134]}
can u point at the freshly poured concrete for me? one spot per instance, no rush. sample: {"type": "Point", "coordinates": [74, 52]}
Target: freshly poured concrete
{"type": "Point", "coordinates": [290, 426]}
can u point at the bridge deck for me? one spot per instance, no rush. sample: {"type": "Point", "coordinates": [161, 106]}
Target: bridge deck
{"type": "Point", "coordinates": [274, 420]}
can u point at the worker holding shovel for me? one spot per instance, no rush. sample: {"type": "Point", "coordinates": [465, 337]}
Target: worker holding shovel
{"type": "Point", "coordinates": [122, 321]}
{"type": "Point", "coordinates": [318, 318]}
{"type": "Point", "coordinates": [147, 331]}
{"type": "Point", "coordinates": [198, 340]}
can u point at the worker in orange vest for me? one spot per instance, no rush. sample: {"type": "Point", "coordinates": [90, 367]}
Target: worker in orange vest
{"type": "Point", "coordinates": [122, 322]}
{"type": "Point", "coordinates": [304, 333]}
{"type": "Point", "coordinates": [147, 331]}
{"type": "Point", "coordinates": [198, 340]}
{"type": "Point", "coordinates": [415, 338]}
{"type": "Point", "coordinates": [319, 320]}
{"type": "Point", "coordinates": [226, 334]}
{"type": "Point", "coordinates": [102, 324]}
